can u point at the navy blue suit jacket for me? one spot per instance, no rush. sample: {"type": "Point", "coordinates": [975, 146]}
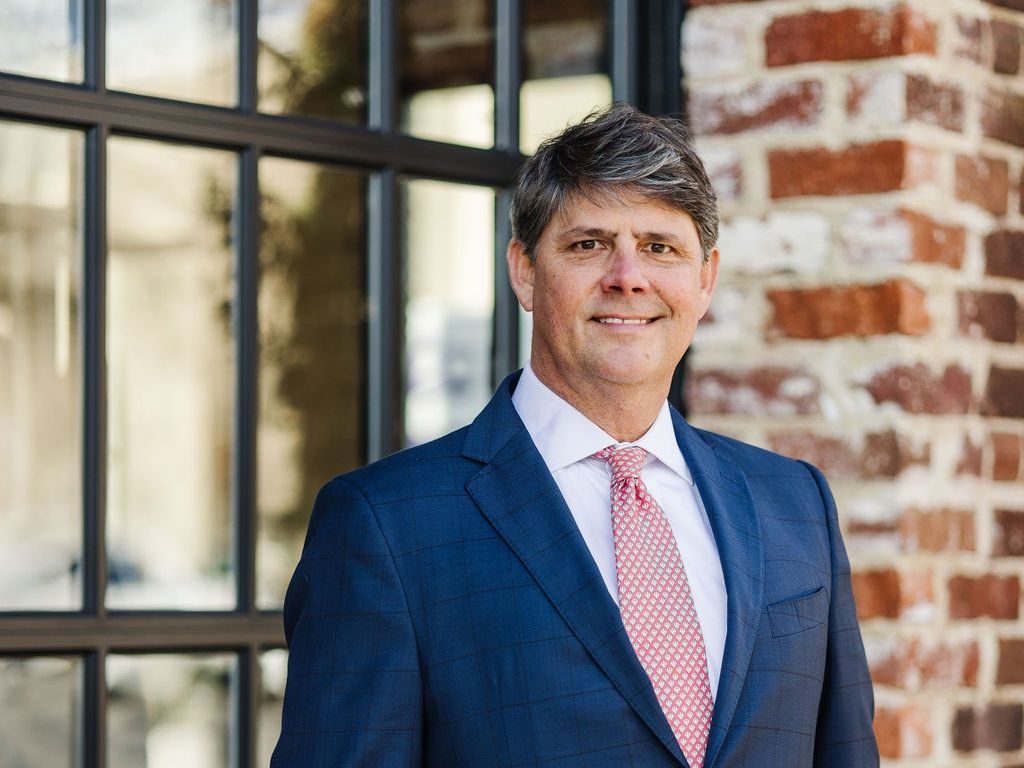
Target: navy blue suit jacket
{"type": "Point", "coordinates": [447, 612]}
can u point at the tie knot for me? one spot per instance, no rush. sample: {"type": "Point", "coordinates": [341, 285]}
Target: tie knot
{"type": "Point", "coordinates": [625, 462]}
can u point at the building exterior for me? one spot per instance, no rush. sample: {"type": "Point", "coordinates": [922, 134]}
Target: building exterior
{"type": "Point", "coordinates": [870, 163]}
{"type": "Point", "coordinates": [248, 244]}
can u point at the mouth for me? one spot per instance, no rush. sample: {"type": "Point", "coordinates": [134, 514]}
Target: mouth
{"type": "Point", "coordinates": [625, 321]}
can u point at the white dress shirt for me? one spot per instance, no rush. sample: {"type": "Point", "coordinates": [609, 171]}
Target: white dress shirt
{"type": "Point", "coordinates": [567, 441]}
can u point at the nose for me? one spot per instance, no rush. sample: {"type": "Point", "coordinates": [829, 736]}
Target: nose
{"type": "Point", "coordinates": [625, 273]}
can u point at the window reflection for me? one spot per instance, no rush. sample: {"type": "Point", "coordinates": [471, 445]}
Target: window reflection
{"type": "Point", "coordinates": [42, 38]}
{"type": "Point", "coordinates": [40, 699]}
{"type": "Point", "coordinates": [449, 269]}
{"type": "Point", "coordinates": [313, 58]}
{"type": "Point", "coordinates": [312, 309]}
{"type": "Point", "coordinates": [447, 70]}
{"type": "Point", "coordinates": [565, 57]}
{"type": "Point", "coordinates": [170, 375]}
{"type": "Point", "coordinates": [167, 711]}
{"type": "Point", "coordinates": [186, 49]}
{"type": "Point", "coordinates": [40, 367]}
{"type": "Point", "coordinates": [273, 672]}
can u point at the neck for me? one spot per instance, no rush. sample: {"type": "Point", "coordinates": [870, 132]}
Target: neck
{"type": "Point", "coordinates": [624, 411]}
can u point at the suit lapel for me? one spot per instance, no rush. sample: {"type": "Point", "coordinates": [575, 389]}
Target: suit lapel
{"type": "Point", "coordinates": [733, 516]}
{"type": "Point", "coordinates": [517, 493]}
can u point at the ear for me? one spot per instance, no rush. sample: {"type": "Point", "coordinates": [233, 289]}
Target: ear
{"type": "Point", "coordinates": [520, 273]}
{"type": "Point", "coordinates": [709, 278]}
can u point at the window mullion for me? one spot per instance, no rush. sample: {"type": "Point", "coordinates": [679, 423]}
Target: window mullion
{"type": "Point", "coordinates": [95, 44]}
{"type": "Point", "coordinates": [93, 323]}
{"type": "Point", "coordinates": [508, 73]}
{"type": "Point", "coordinates": [383, 65]}
{"type": "Point", "coordinates": [384, 326]}
{"type": "Point", "coordinates": [247, 56]}
{"type": "Point", "coordinates": [624, 50]}
{"type": "Point", "coordinates": [247, 381]}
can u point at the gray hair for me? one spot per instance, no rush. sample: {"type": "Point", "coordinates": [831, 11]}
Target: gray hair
{"type": "Point", "coordinates": [612, 151]}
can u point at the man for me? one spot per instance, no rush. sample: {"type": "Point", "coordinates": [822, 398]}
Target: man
{"type": "Point", "coordinates": [579, 577]}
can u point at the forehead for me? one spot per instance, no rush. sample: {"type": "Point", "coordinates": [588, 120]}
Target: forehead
{"type": "Point", "coordinates": [613, 205]}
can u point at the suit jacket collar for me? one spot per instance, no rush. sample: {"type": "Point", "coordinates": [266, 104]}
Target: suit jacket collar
{"type": "Point", "coordinates": [515, 491]}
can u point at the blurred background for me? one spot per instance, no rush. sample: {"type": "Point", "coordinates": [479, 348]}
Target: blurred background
{"type": "Point", "coordinates": [246, 245]}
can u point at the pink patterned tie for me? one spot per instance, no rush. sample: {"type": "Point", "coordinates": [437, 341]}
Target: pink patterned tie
{"type": "Point", "coordinates": [656, 604]}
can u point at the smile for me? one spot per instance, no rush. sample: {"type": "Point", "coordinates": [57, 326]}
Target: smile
{"type": "Point", "coordinates": [624, 320]}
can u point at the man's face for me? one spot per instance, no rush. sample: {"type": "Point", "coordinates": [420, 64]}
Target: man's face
{"type": "Point", "coordinates": [616, 290]}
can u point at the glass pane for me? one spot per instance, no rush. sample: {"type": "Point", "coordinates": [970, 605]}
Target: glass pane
{"type": "Point", "coordinates": [42, 38]}
{"type": "Point", "coordinates": [40, 368]}
{"type": "Point", "coordinates": [168, 711]}
{"type": "Point", "coordinates": [186, 49]}
{"type": "Point", "coordinates": [170, 376]}
{"type": "Point", "coordinates": [312, 309]}
{"type": "Point", "coordinates": [449, 272]}
{"type": "Point", "coordinates": [313, 58]}
{"type": "Point", "coordinates": [565, 56]}
{"type": "Point", "coordinates": [40, 699]}
{"type": "Point", "coordinates": [273, 670]}
{"type": "Point", "coordinates": [447, 70]}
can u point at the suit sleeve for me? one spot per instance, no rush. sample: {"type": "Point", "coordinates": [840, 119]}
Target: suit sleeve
{"type": "Point", "coordinates": [354, 691]}
{"type": "Point", "coordinates": [844, 736]}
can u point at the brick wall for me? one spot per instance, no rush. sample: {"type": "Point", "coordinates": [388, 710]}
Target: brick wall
{"type": "Point", "coordinates": [869, 158]}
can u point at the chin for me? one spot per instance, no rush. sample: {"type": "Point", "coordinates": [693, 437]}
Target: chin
{"type": "Point", "coordinates": [627, 372]}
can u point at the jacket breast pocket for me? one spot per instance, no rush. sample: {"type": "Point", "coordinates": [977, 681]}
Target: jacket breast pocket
{"type": "Point", "coordinates": [798, 614]}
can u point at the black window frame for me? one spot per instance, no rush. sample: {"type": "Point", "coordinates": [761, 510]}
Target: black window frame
{"type": "Point", "coordinates": [646, 74]}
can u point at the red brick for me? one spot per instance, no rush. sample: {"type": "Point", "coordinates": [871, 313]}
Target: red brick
{"type": "Point", "coordinates": [983, 181]}
{"type": "Point", "coordinates": [768, 390]}
{"type": "Point", "coordinates": [937, 530]}
{"type": "Point", "coordinates": [897, 236]}
{"type": "Point", "coordinates": [887, 454]}
{"type": "Point", "coordinates": [940, 104]}
{"type": "Point", "coordinates": [988, 315]}
{"type": "Point", "coordinates": [849, 310]}
{"type": "Point", "coordinates": [1004, 393]}
{"type": "Point", "coordinates": [935, 243]}
{"type": "Point", "coordinates": [1006, 451]}
{"type": "Point", "coordinates": [762, 105]}
{"type": "Point", "coordinates": [997, 597]}
{"type": "Point", "coordinates": [917, 390]}
{"type": "Point", "coordinates": [903, 732]}
{"type": "Point", "coordinates": [1004, 254]}
{"type": "Point", "coordinates": [968, 39]}
{"type": "Point", "coordinates": [1002, 117]}
{"type": "Point", "coordinates": [999, 727]}
{"type": "Point", "coordinates": [970, 458]}
{"type": "Point", "coordinates": [1011, 661]}
{"type": "Point", "coordinates": [831, 455]}
{"type": "Point", "coordinates": [851, 33]}
{"type": "Point", "coordinates": [926, 664]}
{"type": "Point", "coordinates": [1006, 44]}
{"type": "Point", "coordinates": [877, 594]}
{"type": "Point", "coordinates": [888, 594]}
{"type": "Point", "coordinates": [881, 166]}
{"type": "Point", "coordinates": [1008, 540]}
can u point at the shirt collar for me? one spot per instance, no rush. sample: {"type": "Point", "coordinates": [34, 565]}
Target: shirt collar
{"type": "Point", "coordinates": [564, 436]}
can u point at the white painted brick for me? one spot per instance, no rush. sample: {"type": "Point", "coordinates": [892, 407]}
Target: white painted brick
{"type": "Point", "coordinates": [869, 236]}
{"type": "Point", "coordinates": [780, 242]}
{"type": "Point", "coordinates": [878, 98]}
{"type": "Point", "coordinates": [714, 45]}
{"type": "Point", "coordinates": [725, 169]}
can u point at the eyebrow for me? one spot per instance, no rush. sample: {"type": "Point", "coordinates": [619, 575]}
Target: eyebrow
{"type": "Point", "coordinates": [607, 233]}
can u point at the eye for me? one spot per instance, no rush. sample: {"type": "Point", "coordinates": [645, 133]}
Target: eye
{"type": "Point", "coordinates": [586, 245]}
{"type": "Point", "coordinates": [660, 248]}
